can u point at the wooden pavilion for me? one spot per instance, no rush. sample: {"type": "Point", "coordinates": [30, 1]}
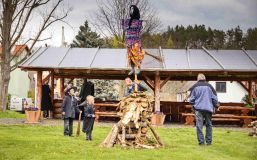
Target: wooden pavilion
{"type": "Point", "coordinates": [176, 65]}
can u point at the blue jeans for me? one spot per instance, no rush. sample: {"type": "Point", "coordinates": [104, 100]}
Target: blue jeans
{"type": "Point", "coordinates": [199, 117]}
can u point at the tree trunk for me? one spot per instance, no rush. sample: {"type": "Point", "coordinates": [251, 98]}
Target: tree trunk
{"type": "Point", "coordinates": [6, 52]}
{"type": "Point", "coordinates": [4, 82]}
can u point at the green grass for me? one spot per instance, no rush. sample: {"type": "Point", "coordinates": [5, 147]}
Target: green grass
{"type": "Point", "coordinates": [11, 114]}
{"type": "Point", "coordinates": [47, 142]}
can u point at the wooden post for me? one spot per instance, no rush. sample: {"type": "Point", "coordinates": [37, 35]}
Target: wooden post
{"type": "Point", "coordinates": [157, 88]}
{"type": "Point", "coordinates": [52, 92]}
{"type": "Point", "coordinates": [39, 93]}
{"type": "Point", "coordinates": [62, 87]}
{"type": "Point", "coordinates": [250, 91]}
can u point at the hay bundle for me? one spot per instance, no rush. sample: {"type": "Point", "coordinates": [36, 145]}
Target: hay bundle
{"type": "Point", "coordinates": [133, 128]}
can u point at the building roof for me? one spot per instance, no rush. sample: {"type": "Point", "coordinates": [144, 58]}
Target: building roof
{"type": "Point", "coordinates": [180, 64]}
{"type": "Point", "coordinates": [116, 59]}
{"type": "Point", "coordinates": [18, 49]}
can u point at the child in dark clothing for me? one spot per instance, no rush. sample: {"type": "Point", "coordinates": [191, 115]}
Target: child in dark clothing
{"type": "Point", "coordinates": [69, 107]}
{"type": "Point", "coordinates": [89, 117]}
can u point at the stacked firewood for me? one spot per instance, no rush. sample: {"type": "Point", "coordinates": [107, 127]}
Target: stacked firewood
{"type": "Point", "coordinates": [254, 129]}
{"type": "Point", "coordinates": [134, 129]}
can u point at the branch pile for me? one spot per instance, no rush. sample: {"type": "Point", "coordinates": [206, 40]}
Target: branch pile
{"type": "Point", "coordinates": [134, 129]}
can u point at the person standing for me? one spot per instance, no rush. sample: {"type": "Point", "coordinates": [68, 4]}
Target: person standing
{"type": "Point", "coordinates": [87, 88]}
{"type": "Point", "coordinates": [89, 117]}
{"type": "Point", "coordinates": [204, 99]}
{"type": "Point", "coordinates": [46, 100]}
{"type": "Point", "coordinates": [69, 107]}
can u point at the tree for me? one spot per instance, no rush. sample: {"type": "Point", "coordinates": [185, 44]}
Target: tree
{"type": "Point", "coordinates": [250, 39]}
{"type": "Point", "coordinates": [15, 17]}
{"type": "Point", "coordinates": [170, 43]}
{"type": "Point", "coordinates": [87, 38]}
{"type": "Point", "coordinates": [111, 12]}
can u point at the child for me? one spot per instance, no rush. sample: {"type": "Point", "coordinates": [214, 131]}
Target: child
{"type": "Point", "coordinates": [89, 117]}
{"type": "Point", "coordinates": [69, 107]}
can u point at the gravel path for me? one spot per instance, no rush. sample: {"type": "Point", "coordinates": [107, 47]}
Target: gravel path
{"type": "Point", "coordinates": [59, 122]}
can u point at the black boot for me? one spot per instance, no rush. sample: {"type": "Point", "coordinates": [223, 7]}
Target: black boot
{"type": "Point", "coordinates": [87, 137]}
{"type": "Point", "coordinates": [90, 135]}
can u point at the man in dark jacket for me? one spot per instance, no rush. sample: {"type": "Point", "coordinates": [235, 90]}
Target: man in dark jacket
{"type": "Point", "coordinates": [130, 86]}
{"type": "Point", "coordinates": [46, 100]}
{"type": "Point", "coordinates": [204, 99]}
{"type": "Point", "coordinates": [87, 88]}
{"type": "Point", "coordinates": [69, 107]}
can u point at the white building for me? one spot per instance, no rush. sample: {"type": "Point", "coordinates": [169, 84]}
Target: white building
{"type": "Point", "coordinates": [227, 91]}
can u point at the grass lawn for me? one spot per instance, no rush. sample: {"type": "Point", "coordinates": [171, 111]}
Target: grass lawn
{"type": "Point", "coordinates": [47, 142]}
{"type": "Point", "coordinates": [11, 114]}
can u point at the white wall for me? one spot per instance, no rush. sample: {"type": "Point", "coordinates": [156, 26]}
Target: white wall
{"type": "Point", "coordinates": [234, 93]}
{"type": "Point", "coordinates": [19, 80]}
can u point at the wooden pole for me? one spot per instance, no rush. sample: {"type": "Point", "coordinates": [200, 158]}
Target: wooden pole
{"type": "Point", "coordinates": [39, 93]}
{"type": "Point", "coordinates": [157, 88]}
{"type": "Point", "coordinates": [250, 91]}
{"type": "Point", "coordinates": [62, 87]}
{"type": "Point", "coordinates": [52, 93]}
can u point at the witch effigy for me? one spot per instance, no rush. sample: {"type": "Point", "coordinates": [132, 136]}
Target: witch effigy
{"type": "Point", "coordinates": [133, 28]}
{"type": "Point", "coordinates": [134, 128]}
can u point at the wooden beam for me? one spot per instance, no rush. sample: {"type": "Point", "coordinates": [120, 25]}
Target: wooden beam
{"type": "Point", "coordinates": [62, 87]}
{"type": "Point", "coordinates": [52, 87]}
{"type": "Point", "coordinates": [157, 88]}
{"type": "Point", "coordinates": [243, 85]}
{"type": "Point", "coordinates": [70, 80]}
{"type": "Point", "coordinates": [46, 78]}
{"type": "Point", "coordinates": [165, 81]}
{"type": "Point", "coordinates": [39, 92]}
{"type": "Point", "coordinates": [149, 84]}
{"type": "Point", "coordinates": [148, 81]}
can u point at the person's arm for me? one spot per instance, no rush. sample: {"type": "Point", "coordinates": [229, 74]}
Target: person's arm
{"type": "Point", "coordinates": [192, 97]}
{"type": "Point", "coordinates": [142, 87]}
{"type": "Point", "coordinates": [215, 101]}
{"type": "Point", "coordinates": [64, 105]}
{"type": "Point", "coordinates": [86, 111]}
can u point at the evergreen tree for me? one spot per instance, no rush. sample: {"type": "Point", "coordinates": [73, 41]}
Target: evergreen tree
{"type": "Point", "coordinates": [87, 38]}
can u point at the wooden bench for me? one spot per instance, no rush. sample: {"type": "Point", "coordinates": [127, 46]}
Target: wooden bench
{"type": "Point", "coordinates": [103, 113]}
{"type": "Point", "coordinates": [245, 120]}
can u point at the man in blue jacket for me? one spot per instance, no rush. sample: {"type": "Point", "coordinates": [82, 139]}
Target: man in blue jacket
{"type": "Point", "coordinates": [204, 99]}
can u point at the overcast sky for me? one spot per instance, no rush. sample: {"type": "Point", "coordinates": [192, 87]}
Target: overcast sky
{"type": "Point", "coordinates": [218, 14]}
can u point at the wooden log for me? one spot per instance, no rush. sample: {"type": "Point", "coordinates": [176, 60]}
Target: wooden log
{"type": "Point", "coordinates": [130, 136]}
{"type": "Point", "coordinates": [113, 136]}
{"type": "Point", "coordinates": [123, 136]}
{"type": "Point", "coordinates": [156, 136]}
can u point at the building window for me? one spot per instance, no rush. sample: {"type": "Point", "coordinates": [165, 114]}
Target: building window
{"type": "Point", "coordinates": [221, 87]}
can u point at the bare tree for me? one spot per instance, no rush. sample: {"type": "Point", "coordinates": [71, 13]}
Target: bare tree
{"type": "Point", "coordinates": [107, 19]}
{"type": "Point", "coordinates": [15, 17]}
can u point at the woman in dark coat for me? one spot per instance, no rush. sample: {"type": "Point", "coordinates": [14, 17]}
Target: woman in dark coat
{"type": "Point", "coordinates": [89, 117]}
{"type": "Point", "coordinates": [46, 104]}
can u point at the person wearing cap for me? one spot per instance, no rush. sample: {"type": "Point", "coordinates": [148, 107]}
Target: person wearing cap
{"type": "Point", "coordinates": [203, 98]}
{"type": "Point", "coordinates": [69, 107]}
